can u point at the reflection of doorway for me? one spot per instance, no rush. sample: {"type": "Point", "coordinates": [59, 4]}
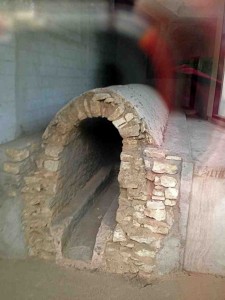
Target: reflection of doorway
{"type": "Point", "coordinates": [221, 107]}
{"type": "Point", "coordinates": [219, 99]}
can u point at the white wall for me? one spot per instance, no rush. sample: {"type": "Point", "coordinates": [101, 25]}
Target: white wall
{"type": "Point", "coordinates": [7, 90]}
{"type": "Point", "coordinates": [51, 70]}
{"type": "Point", "coordinates": [40, 71]}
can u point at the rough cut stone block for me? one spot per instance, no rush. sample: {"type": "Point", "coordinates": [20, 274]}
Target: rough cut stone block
{"type": "Point", "coordinates": [135, 223]}
{"type": "Point", "coordinates": [154, 153]}
{"type": "Point", "coordinates": [160, 198]}
{"type": "Point", "coordinates": [11, 168]}
{"type": "Point", "coordinates": [157, 214]}
{"type": "Point", "coordinates": [139, 215]}
{"type": "Point", "coordinates": [171, 193]}
{"type": "Point", "coordinates": [129, 117]}
{"type": "Point", "coordinates": [157, 192]}
{"type": "Point", "coordinates": [170, 202]}
{"type": "Point", "coordinates": [148, 164]}
{"type": "Point", "coordinates": [146, 268]}
{"type": "Point", "coordinates": [119, 235]}
{"type": "Point", "coordinates": [168, 181]}
{"type": "Point", "coordinates": [156, 226]}
{"type": "Point", "coordinates": [173, 157]}
{"type": "Point", "coordinates": [159, 188]}
{"type": "Point", "coordinates": [145, 238]}
{"type": "Point", "coordinates": [150, 176]}
{"type": "Point", "coordinates": [125, 165]}
{"type": "Point", "coordinates": [126, 157]}
{"type": "Point", "coordinates": [53, 151]}
{"type": "Point", "coordinates": [161, 168]}
{"type": "Point", "coordinates": [117, 113]}
{"type": "Point", "coordinates": [17, 154]}
{"type": "Point", "coordinates": [101, 97]}
{"type": "Point", "coordinates": [157, 180]}
{"type": "Point", "coordinates": [145, 253]}
{"type": "Point", "coordinates": [109, 100]}
{"type": "Point", "coordinates": [119, 122]}
{"type": "Point", "coordinates": [130, 131]}
{"type": "Point", "coordinates": [51, 165]}
{"type": "Point", "coordinates": [155, 205]}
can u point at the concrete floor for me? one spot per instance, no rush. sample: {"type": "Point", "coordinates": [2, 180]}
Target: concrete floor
{"type": "Point", "coordinates": [83, 238]}
{"type": "Point", "coordinates": [34, 279]}
{"type": "Point", "coordinates": [207, 143]}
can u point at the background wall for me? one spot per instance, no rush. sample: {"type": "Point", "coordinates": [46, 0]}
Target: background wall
{"type": "Point", "coordinates": [7, 90]}
{"type": "Point", "coordinates": [43, 67]}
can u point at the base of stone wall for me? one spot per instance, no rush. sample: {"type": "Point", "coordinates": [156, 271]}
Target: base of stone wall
{"type": "Point", "coordinates": [17, 159]}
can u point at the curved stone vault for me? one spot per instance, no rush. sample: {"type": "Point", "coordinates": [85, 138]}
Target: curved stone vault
{"type": "Point", "coordinates": [149, 179]}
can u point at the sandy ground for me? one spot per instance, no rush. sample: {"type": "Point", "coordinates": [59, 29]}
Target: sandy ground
{"type": "Point", "coordinates": [35, 279]}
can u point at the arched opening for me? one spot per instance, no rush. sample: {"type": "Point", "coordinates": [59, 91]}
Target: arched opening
{"type": "Point", "coordinates": [88, 193]}
{"type": "Point", "coordinates": [102, 136]}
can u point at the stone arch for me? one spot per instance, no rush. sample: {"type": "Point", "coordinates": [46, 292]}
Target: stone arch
{"type": "Point", "coordinates": [140, 117]}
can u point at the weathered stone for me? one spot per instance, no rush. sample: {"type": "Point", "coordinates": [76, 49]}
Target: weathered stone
{"type": "Point", "coordinates": [126, 157]}
{"type": "Point", "coordinates": [159, 193]}
{"type": "Point", "coordinates": [159, 198]}
{"type": "Point", "coordinates": [11, 168]}
{"type": "Point", "coordinates": [124, 214]}
{"type": "Point", "coordinates": [39, 163]}
{"type": "Point", "coordinates": [135, 223]}
{"type": "Point", "coordinates": [125, 165]}
{"type": "Point", "coordinates": [170, 202]}
{"type": "Point", "coordinates": [155, 205]}
{"type": "Point", "coordinates": [139, 207]}
{"type": "Point", "coordinates": [157, 180]}
{"type": "Point", "coordinates": [81, 112]}
{"type": "Point", "coordinates": [171, 193]}
{"type": "Point", "coordinates": [145, 253]}
{"type": "Point", "coordinates": [129, 245]}
{"type": "Point", "coordinates": [129, 131]}
{"type": "Point", "coordinates": [51, 165]}
{"type": "Point", "coordinates": [101, 96]}
{"type": "Point", "coordinates": [17, 155]}
{"type": "Point", "coordinates": [161, 168]}
{"type": "Point", "coordinates": [63, 126]}
{"type": "Point", "coordinates": [143, 235]}
{"type": "Point", "coordinates": [159, 188]}
{"type": "Point", "coordinates": [129, 117]}
{"type": "Point", "coordinates": [150, 176]}
{"type": "Point", "coordinates": [119, 122]}
{"type": "Point", "coordinates": [146, 268]}
{"type": "Point", "coordinates": [156, 226]}
{"type": "Point", "coordinates": [32, 179]}
{"type": "Point", "coordinates": [95, 108]}
{"type": "Point", "coordinates": [124, 202]}
{"type": "Point", "coordinates": [119, 235]}
{"type": "Point", "coordinates": [173, 157]}
{"type": "Point", "coordinates": [154, 153]}
{"type": "Point", "coordinates": [87, 108]}
{"type": "Point", "coordinates": [155, 210]}
{"type": "Point", "coordinates": [148, 164]}
{"type": "Point", "coordinates": [139, 215]}
{"type": "Point", "coordinates": [53, 151]}
{"type": "Point", "coordinates": [157, 214]}
{"type": "Point", "coordinates": [117, 113]}
{"type": "Point", "coordinates": [109, 100]}
{"type": "Point", "coordinates": [168, 181]}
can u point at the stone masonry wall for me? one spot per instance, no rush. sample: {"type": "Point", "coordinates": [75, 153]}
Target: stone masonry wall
{"type": "Point", "coordinates": [144, 220]}
{"type": "Point", "coordinates": [17, 159]}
